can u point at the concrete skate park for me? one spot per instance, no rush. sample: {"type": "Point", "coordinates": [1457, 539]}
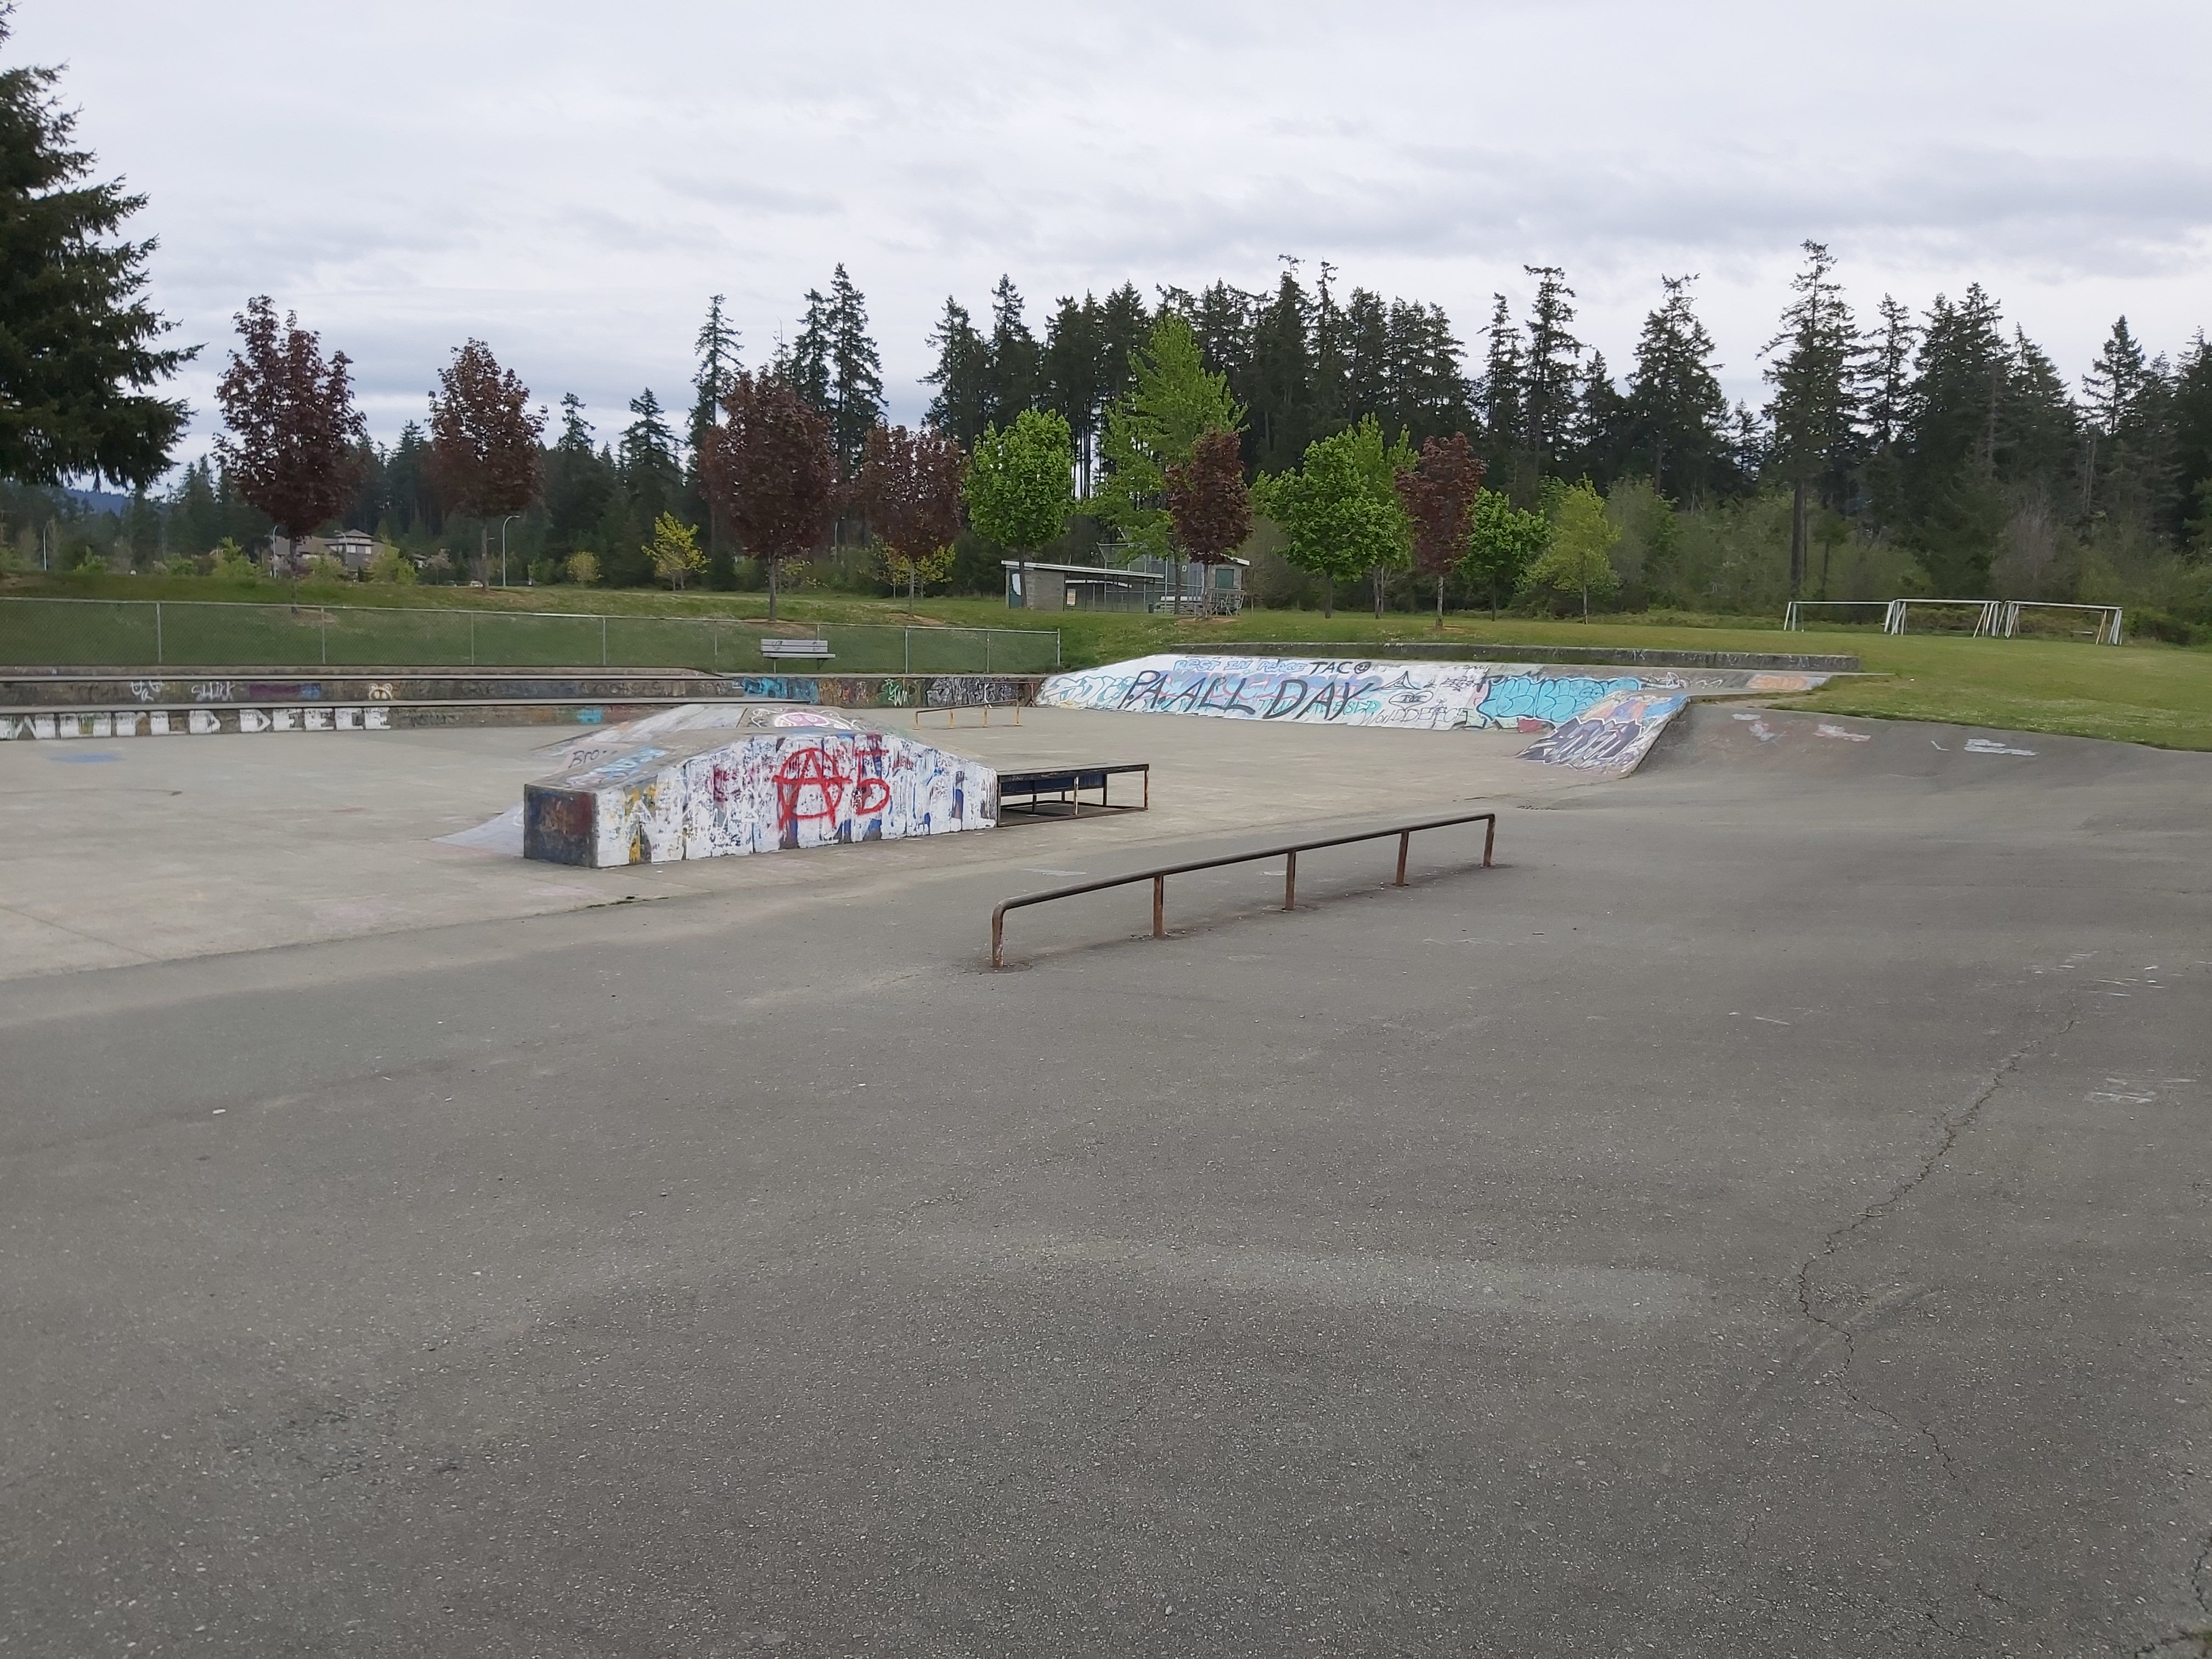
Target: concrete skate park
{"type": "Point", "coordinates": [1765, 1211]}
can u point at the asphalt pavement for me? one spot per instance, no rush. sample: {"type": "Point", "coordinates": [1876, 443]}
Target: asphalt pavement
{"type": "Point", "coordinates": [1767, 1213]}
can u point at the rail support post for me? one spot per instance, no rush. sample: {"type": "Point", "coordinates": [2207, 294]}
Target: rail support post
{"type": "Point", "coordinates": [1159, 907]}
{"type": "Point", "coordinates": [1290, 881]}
{"type": "Point", "coordinates": [1405, 845]}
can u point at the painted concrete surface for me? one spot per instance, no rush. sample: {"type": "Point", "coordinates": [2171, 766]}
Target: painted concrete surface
{"type": "Point", "coordinates": [1362, 692]}
{"type": "Point", "coordinates": [699, 793]}
{"type": "Point", "coordinates": [1612, 736]}
{"type": "Point", "coordinates": [1764, 1215]}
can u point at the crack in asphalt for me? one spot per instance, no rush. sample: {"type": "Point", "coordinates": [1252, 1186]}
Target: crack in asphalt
{"type": "Point", "coordinates": [1953, 1127]}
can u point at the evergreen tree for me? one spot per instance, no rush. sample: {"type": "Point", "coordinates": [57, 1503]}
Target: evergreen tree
{"type": "Point", "coordinates": [856, 374]}
{"type": "Point", "coordinates": [1017, 371]}
{"type": "Point", "coordinates": [1075, 368]}
{"type": "Point", "coordinates": [646, 459]}
{"type": "Point", "coordinates": [1603, 434]}
{"type": "Point", "coordinates": [1552, 377]}
{"type": "Point", "coordinates": [411, 501]}
{"type": "Point", "coordinates": [1366, 350]}
{"type": "Point", "coordinates": [1949, 498]}
{"type": "Point", "coordinates": [2127, 473]}
{"type": "Point", "coordinates": [1428, 391]}
{"type": "Point", "coordinates": [579, 483]}
{"type": "Point", "coordinates": [1279, 381]}
{"type": "Point", "coordinates": [1330, 406]}
{"type": "Point", "coordinates": [803, 363]}
{"type": "Point", "coordinates": [1501, 396]}
{"type": "Point", "coordinates": [716, 348]}
{"type": "Point", "coordinates": [1815, 408]}
{"type": "Point", "coordinates": [963, 404]}
{"type": "Point", "coordinates": [2191, 412]}
{"type": "Point", "coordinates": [78, 352]}
{"type": "Point", "coordinates": [1676, 412]}
{"type": "Point", "coordinates": [717, 351]}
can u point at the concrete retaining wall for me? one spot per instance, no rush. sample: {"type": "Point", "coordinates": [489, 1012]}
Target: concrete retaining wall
{"type": "Point", "coordinates": [44, 706]}
{"type": "Point", "coordinates": [700, 795]}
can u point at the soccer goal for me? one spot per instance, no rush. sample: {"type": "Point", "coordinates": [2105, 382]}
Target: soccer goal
{"type": "Point", "coordinates": [1840, 613]}
{"type": "Point", "coordinates": [2038, 619]}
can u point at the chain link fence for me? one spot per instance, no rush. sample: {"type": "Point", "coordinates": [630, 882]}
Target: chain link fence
{"type": "Point", "coordinates": [205, 634]}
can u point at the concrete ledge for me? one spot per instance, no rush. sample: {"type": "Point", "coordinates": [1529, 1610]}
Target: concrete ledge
{"type": "Point", "coordinates": [21, 691]}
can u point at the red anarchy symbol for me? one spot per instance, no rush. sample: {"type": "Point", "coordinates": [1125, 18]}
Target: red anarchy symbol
{"type": "Point", "coordinates": [810, 785]}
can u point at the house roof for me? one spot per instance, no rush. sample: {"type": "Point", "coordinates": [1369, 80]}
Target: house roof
{"type": "Point", "coordinates": [1095, 572]}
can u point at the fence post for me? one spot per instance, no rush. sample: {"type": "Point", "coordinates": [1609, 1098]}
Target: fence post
{"type": "Point", "coordinates": [987, 651]}
{"type": "Point", "coordinates": [472, 642]}
{"type": "Point", "coordinates": [909, 634]}
{"type": "Point", "coordinates": [323, 638]}
{"type": "Point", "coordinates": [158, 657]}
{"type": "Point", "coordinates": [603, 642]}
{"type": "Point", "coordinates": [1055, 648]}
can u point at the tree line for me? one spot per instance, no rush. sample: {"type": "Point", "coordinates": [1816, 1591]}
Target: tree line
{"type": "Point", "coordinates": [1894, 451]}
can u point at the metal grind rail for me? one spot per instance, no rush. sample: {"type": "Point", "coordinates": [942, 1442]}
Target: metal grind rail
{"type": "Point", "coordinates": [1404, 832]}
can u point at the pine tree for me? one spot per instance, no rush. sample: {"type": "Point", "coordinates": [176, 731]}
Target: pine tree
{"type": "Point", "coordinates": [1075, 368]}
{"type": "Point", "coordinates": [1017, 372]}
{"type": "Point", "coordinates": [1676, 410]}
{"type": "Point", "coordinates": [1281, 385]}
{"type": "Point", "coordinates": [1951, 502]}
{"type": "Point", "coordinates": [1603, 429]}
{"type": "Point", "coordinates": [1552, 376]}
{"type": "Point", "coordinates": [803, 364]}
{"type": "Point", "coordinates": [1814, 411]}
{"type": "Point", "coordinates": [579, 484]}
{"type": "Point", "coordinates": [1331, 368]}
{"type": "Point", "coordinates": [1366, 331]}
{"type": "Point", "coordinates": [1428, 391]}
{"type": "Point", "coordinates": [716, 348]}
{"type": "Point", "coordinates": [1501, 395]}
{"type": "Point", "coordinates": [645, 460]}
{"type": "Point", "coordinates": [78, 353]}
{"type": "Point", "coordinates": [855, 377]}
{"type": "Point", "coordinates": [962, 406]}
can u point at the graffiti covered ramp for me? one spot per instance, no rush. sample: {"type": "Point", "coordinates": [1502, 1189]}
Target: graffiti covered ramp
{"type": "Point", "coordinates": [696, 794]}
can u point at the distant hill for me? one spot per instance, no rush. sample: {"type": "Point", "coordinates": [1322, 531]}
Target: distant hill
{"type": "Point", "coordinates": [99, 501]}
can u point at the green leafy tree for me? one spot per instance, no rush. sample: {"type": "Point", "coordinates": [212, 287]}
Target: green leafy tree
{"type": "Point", "coordinates": [1503, 542]}
{"type": "Point", "coordinates": [77, 351]}
{"type": "Point", "coordinates": [1172, 401]}
{"type": "Point", "coordinates": [674, 550]}
{"type": "Point", "coordinates": [1338, 512]}
{"type": "Point", "coordinates": [1021, 482]}
{"type": "Point", "coordinates": [1579, 556]}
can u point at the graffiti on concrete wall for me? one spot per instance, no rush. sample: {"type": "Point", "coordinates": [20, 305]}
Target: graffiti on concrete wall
{"type": "Point", "coordinates": [1612, 736]}
{"type": "Point", "coordinates": [708, 799]}
{"type": "Point", "coordinates": [1427, 695]}
{"type": "Point", "coordinates": [186, 722]}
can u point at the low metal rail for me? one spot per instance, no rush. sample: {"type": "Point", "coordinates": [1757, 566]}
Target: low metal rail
{"type": "Point", "coordinates": [1158, 878]}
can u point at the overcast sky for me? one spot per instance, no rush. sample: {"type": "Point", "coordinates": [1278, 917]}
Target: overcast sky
{"type": "Point", "coordinates": [569, 182]}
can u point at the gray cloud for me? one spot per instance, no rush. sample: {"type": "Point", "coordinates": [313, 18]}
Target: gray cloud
{"type": "Point", "coordinates": [570, 183]}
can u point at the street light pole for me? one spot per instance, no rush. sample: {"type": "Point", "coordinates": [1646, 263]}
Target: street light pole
{"type": "Point", "coordinates": [503, 524]}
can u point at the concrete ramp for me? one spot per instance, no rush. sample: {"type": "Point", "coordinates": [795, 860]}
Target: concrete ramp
{"type": "Point", "coordinates": [693, 794]}
{"type": "Point", "coordinates": [1612, 736]}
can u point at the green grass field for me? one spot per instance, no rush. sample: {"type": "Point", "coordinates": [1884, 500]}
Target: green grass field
{"type": "Point", "coordinates": [2148, 693]}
